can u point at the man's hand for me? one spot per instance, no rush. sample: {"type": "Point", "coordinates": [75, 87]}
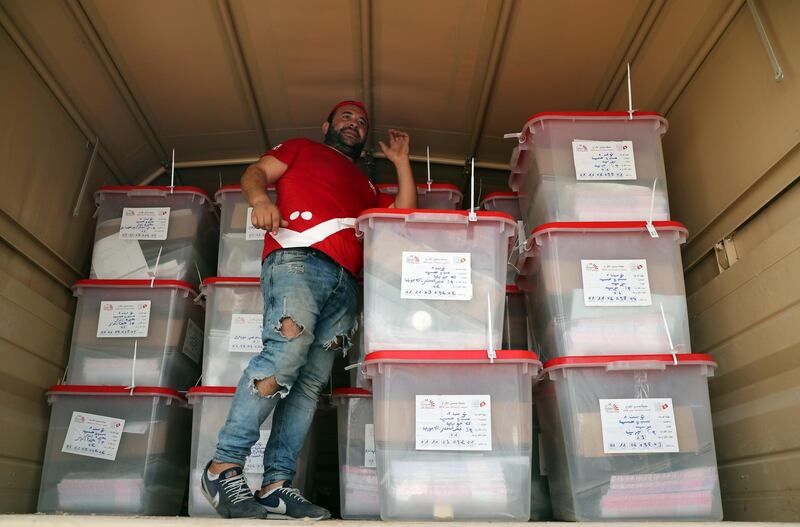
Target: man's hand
{"type": "Point", "coordinates": [397, 151]}
{"type": "Point", "coordinates": [267, 216]}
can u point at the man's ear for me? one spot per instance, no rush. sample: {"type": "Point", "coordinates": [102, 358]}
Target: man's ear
{"type": "Point", "coordinates": [325, 127]}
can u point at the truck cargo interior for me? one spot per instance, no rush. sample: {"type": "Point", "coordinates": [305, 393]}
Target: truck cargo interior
{"type": "Point", "coordinates": [188, 93]}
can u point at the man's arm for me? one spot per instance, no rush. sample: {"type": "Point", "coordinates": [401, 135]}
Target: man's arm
{"type": "Point", "coordinates": [397, 153]}
{"type": "Point", "coordinates": [255, 179]}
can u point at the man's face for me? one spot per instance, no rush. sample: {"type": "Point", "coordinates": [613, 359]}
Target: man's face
{"type": "Point", "coordinates": [347, 131]}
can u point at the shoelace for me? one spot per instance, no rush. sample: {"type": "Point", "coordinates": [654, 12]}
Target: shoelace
{"type": "Point", "coordinates": [294, 493]}
{"type": "Point", "coordinates": [236, 489]}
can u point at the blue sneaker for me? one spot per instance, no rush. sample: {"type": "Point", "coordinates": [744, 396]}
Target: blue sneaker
{"type": "Point", "coordinates": [230, 495]}
{"type": "Point", "coordinates": [286, 503]}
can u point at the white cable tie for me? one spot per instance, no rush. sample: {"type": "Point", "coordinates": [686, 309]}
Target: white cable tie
{"type": "Point", "coordinates": [472, 216]}
{"type": "Point", "coordinates": [490, 348]}
{"type": "Point", "coordinates": [650, 227]}
{"type": "Point", "coordinates": [132, 386]}
{"type": "Point", "coordinates": [198, 380]}
{"type": "Point", "coordinates": [350, 367]}
{"type": "Point", "coordinates": [172, 175]}
{"type": "Point", "coordinates": [220, 179]}
{"type": "Point", "coordinates": [630, 95]}
{"type": "Point", "coordinates": [514, 135]}
{"type": "Point", "coordinates": [428, 150]}
{"type": "Point", "coordinates": [669, 337]}
{"type": "Point", "coordinates": [155, 269]}
{"type": "Point", "coordinates": [198, 273]}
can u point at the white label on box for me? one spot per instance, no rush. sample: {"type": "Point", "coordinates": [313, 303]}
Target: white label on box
{"type": "Point", "coordinates": [93, 436]}
{"type": "Point", "coordinates": [369, 446]}
{"type": "Point", "coordinates": [453, 422]}
{"type": "Point", "coordinates": [255, 461]}
{"type": "Point", "coordinates": [615, 283]}
{"type": "Point", "coordinates": [252, 232]}
{"type": "Point", "coordinates": [245, 335]}
{"type": "Point", "coordinates": [127, 318]}
{"type": "Point", "coordinates": [603, 160]}
{"type": "Point", "coordinates": [635, 426]}
{"type": "Point", "coordinates": [150, 223]}
{"type": "Point", "coordinates": [436, 276]}
{"type": "Point", "coordinates": [193, 342]}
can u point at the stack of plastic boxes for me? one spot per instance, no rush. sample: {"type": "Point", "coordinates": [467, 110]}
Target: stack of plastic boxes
{"type": "Point", "coordinates": [118, 428]}
{"type": "Point", "coordinates": [623, 404]}
{"type": "Point", "coordinates": [452, 411]}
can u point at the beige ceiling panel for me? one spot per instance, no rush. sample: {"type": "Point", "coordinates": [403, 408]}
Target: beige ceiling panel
{"type": "Point", "coordinates": [178, 63]}
{"type": "Point", "coordinates": [557, 56]}
{"type": "Point", "coordinates": [429, 63]}
{"type": "Point", "coordinates": [303, 57]}
{"type": "Point", "coordinates": [52, 31]}
{"type": "Point", "coordinates": [677, 34]}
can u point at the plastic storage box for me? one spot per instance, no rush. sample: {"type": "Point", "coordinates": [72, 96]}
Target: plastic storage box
{"type": "Point", "coordinates": [606, 288]}
{"type": "Point", "coordinates": [629, 437]}
{"type": "Point", "coordinates": [595, 166]}
{"type": "Point", "coordinates": [440, 196]}
{"type": "Point", "coordinates": [431, 278]}
{"type": "Point", "coordinates": [234, 319]}
{"type": "Point", "coordinates": [515, 320]}
{"type": "Point", "coordinates": [453, 433]}
{"type": "Point", "coordinates": [358, 476]}
{"type": "Point", "coordinates": [507, 202]}
{"type": "Point", "coordinates": [146, 232]}
{"type": "Point", "coordinates": [115, 450]}
{"type": "Point", "coordinates": [240, 244]}
{"type": "Point", "coordinates": [136, 333]}
{"type": "Point", "coordinates": [210, 406]}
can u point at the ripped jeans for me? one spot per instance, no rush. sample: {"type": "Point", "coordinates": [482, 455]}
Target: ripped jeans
{"type": "Point", "coordinates": [320, 297]}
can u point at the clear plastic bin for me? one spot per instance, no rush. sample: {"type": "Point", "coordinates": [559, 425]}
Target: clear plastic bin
{"type": "Point", "coordinates": [431, 278]}
{"type": "Point", "coordinates": [113, 450]}
{"type": "Point", "coordinates": [453, 433]}
{"type": "Point", "coordinates": [599, 289]}
{"type": "Point", "coordinates": [629, 438]}
{"type": "Point", "coordinates": [591, 166]}
{"type": "Point", "coordinates": [146, 232]}
{"type": "Point", "coordinates": [440, 196]}
{"type": "Point", "coordinates": [358, 476]}
{"type": "Point", "coordinates": [234, 318]}
{"type": "Point", "coordinates": [240, 244]}
{"type": "Point", "coordinates": [136, 333]}
{"type": "Point", "coordinates": [210, 407]}
{"type": "Point", "coordinates": [507, 202]}
{"type": "Point", "coordinates": [515, 320]}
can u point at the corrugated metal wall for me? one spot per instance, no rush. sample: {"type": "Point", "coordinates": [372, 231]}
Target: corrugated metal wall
{"type": "Point", "coordinates": [43, 158]}
{"type": "Point", "coordinates": [732, 154]}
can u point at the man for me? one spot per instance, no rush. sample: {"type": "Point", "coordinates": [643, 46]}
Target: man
{"type": "Point", "coordinates": [310, 259]}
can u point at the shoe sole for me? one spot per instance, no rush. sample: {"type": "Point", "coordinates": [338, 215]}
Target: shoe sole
{"type": "Point", "coordinates": [273, 516]}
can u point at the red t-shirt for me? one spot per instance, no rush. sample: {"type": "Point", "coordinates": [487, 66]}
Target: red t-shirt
{"type": "Point", "coordinates": [320, 195]}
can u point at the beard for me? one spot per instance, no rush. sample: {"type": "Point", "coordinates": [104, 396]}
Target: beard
{"type": "Point", "coordinates": [334, 139]}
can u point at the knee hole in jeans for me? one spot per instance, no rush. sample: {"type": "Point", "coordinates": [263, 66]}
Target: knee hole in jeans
{"type": "Point", "coordinates": [289, 328]}
{"type": "Point", "coordinates": [267, 386]}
